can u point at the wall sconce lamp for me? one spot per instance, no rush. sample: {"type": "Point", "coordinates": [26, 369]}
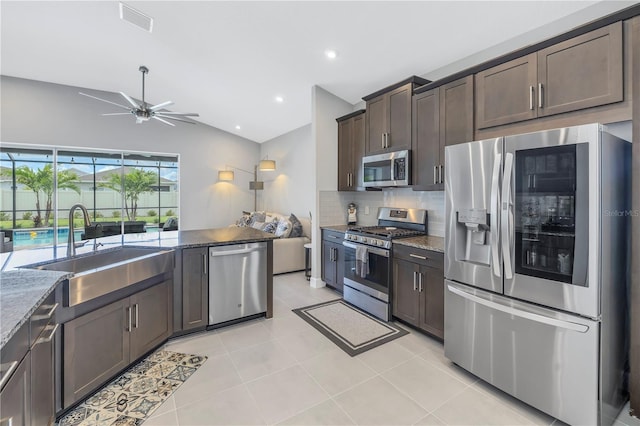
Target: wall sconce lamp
{"type": "Point", "coordinates": [255, 185]}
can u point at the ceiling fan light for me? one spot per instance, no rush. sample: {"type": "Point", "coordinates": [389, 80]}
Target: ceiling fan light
{"type": "Point", "coordinates": [267, 165]}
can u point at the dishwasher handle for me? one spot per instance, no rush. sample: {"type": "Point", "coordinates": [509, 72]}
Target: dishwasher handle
{"type": "Point", "coordinates": [214, 253]}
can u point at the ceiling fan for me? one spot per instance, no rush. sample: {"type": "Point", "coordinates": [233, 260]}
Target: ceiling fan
{"type": "Point", "coordinates": [143, 112]}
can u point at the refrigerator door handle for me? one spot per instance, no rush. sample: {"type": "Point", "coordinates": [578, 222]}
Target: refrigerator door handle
{"type": "Point", "coordinates": [504, 218]}
{"type": "Point", "coordinates": [495, 210]}
{"type": "Point", "coordinates": [580, 328]}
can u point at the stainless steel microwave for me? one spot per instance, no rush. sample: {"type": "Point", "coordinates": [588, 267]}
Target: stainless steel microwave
{"type": "Point", "coordinates": [387, 170]}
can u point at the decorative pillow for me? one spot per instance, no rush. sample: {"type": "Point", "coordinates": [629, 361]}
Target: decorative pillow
{"type": "Point", "coordinates": [245, 220]}
{"type": "Point", "coordinates": [271, 227]}
{"type": "Point", "coordinates": [283, 229]}
{"type": "Point", "coordinates": [258, 217]}
{"type": "Point", "coordinates": [258, 225]}
{"type": "Point", "coordinates": [296, 227]}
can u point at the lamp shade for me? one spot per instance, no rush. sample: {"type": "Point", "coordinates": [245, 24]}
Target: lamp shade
{"type": "Point", "coordinates": [225, 175]}
{"type": "Point", "coordinates": [267, 165]}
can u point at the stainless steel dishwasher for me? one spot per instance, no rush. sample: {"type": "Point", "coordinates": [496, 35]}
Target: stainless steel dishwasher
{"type": "Point", "coordinates": [237, 281]}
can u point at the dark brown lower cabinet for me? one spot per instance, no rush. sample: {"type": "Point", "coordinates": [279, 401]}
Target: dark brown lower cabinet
{"type": "Point", "coordinates": [333, 259]}
{"type": "Point", "coordinates": [100, 344]}
{"type": "Point", "coordinates": [195, 288]}
{"type": "Point", "coordinates": [43, 358]}
{"type": "Point", "coordinates": [418, 289]}
{"type": "Point", "coordinates": [15, 400]}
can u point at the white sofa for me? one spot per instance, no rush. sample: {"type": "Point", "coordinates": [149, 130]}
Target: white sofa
{"type": "Point", "coordinates": [288, 253]}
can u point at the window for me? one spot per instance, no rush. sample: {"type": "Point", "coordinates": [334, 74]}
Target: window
{"type": "Point", "coordinates": [130, 192]}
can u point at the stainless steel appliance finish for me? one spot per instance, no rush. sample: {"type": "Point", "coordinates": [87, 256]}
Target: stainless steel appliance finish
{"type": "Point", "coordinates": [106, 271]}
{"type": "Point", "coordinates": [387, 170]}
{"type": "Point", "coordinates": [536, 258]}
{"type": "Point", "coordinates": [371, 291]}
{"type": "Point", "coordinates": [237, 281]}
{"type": "Point", "coordinates": [541, 356]}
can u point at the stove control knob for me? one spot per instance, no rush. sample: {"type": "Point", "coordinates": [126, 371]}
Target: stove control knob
{"type": "Point", "coordinates": [364, 240]}
{"type": "Point", "coordinates": [380, 242]}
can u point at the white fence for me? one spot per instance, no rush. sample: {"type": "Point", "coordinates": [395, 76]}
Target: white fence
{"type": "Point", "coordinates": [104, 201]}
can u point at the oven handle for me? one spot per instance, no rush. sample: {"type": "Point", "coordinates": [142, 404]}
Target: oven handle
{"type": "Point", "coordinates": [374, 250]}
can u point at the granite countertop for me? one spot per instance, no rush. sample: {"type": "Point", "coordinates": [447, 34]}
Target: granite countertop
{"type": "Point", "coordinates": [426, 242]}
{"type": "Point", "coordinates": [166, 239]}
{"type": "Point", "coordinates": [339, 228]}
{"type": "Point", "coordinates": [21, 292]}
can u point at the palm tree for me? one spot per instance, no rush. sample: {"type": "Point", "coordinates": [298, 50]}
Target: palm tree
{"type": "Point", "coordinates": [41, 181]}
{"type": "Point", "coordinates": [136, 182]}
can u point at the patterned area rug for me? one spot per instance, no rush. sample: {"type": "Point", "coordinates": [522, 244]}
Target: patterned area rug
{"type": "Point", "coordinates": [351, 329]}
{"type": "Point", "coordinates": [136, 393]}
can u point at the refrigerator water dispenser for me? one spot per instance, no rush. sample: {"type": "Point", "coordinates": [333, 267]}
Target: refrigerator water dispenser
{"type": "Point", "coordinates": [472, 227]}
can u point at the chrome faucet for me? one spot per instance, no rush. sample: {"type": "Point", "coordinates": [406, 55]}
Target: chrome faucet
{"type": "Point", "coordinates": [71, 244]}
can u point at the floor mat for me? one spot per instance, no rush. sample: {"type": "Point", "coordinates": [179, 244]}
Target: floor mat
{"type": "Point", "coordinates": [134, 395]}
{"type": "Point", "coordinates": [351, 329]}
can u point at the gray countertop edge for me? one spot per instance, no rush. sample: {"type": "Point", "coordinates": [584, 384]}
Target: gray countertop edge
{"type": "Point", "coordinates": [425, 242]}
{"type": "Point", "coordinates": [40, 285]}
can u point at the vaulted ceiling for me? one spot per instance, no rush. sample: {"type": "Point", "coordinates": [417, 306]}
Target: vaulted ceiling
{"type": "Point", "coordinates": [229, 60]}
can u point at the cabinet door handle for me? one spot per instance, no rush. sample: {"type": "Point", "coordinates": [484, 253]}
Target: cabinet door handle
{"type": "Point", "coordinates": [531, 89]}
{"type": "Point", "coordinates": [435, 175]}
{"type": "Point", "coordinates": [440, 173]}
{"type": "Point", "coordinates": [417, 256]}
{"type": "Point", "coordinates": [7, 421]}
{"type": "Point", "coordinates": [382, 142]}
{"type": "Point", "coordinates": [415, 286]}
{"type": "Point", "coordinates": [204, 263]}
{"type": "Point", "coordinates": [8, 373]}
{"type": "Point", "coordinates": [136, 307]}
{"type": "Point", "coordinates": [386, 140]}
{"type": "Point", "coordinates": [129, 318]}
{"type": "Point", "coordinates": [50, 336]}
{"type": "Point", "coordinates": [48, 315]}
{"type": "Point", "coordinates": [420, 282]}
{"type": "Point", "coordinates": [539, 95]}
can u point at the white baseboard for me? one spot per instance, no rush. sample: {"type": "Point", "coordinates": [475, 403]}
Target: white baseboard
{"type": "Point", "coordinates": [316, 282]}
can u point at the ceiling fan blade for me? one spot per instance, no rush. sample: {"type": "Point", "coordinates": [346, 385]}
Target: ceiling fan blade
{"type": "Point", "coordinates": [164, 121]}
{"type": "Point", "coordinates": [162, 105]}
{"type": "Point", "coordinates": [183, 119]}
{"type": "Point", "coordinates": [118, 113]}
{"type": "Point", "coordinates": [183, 114]}
{"type": "Point", "coordinates": [104, 100]}
{"type": "Point", "coordinates": [131, 101]}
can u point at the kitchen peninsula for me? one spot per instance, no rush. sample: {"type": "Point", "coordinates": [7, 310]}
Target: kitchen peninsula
{"type": "Point", "coordinates": [131, 321]}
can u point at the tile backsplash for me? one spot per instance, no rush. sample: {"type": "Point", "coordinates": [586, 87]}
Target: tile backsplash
{"type": "Point", "coordinates": [333, 206]}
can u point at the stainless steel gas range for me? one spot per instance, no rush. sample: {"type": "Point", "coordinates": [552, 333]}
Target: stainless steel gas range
{"type": "Point", "coordinates": [368, 256]}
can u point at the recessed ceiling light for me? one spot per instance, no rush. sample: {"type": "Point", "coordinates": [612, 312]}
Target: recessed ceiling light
{"type": "Point", "coordinates": [237, 127]}
{"type": "Point", "coordinates": [279, 99]}
{"type": "Point", "coordinates": [331, 54]}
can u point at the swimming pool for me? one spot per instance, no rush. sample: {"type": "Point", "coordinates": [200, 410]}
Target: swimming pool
{"type": "Point", "coordinates": [41, 237]}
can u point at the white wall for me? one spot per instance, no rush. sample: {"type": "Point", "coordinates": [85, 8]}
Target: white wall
{"type": "Point", "coordinates": [290, 189]}
{"type": "Point", "coordinates": [326, 107]}
{"type": "Point", "coordinates": [35, 112]}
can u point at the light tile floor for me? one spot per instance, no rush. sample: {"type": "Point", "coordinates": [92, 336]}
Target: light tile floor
{"type": "Point", "coordinates": [282, 371]}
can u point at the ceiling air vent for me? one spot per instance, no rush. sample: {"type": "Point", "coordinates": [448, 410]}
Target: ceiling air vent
{"type": "Point", "coordinates": [137, 18]}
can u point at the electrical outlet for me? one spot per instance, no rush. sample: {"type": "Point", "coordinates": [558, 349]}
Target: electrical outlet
{"type": "Point", "coordinates": [366, 209]}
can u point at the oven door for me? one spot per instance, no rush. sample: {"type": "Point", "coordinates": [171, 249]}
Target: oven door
{"type": "Point", "coordinates": [377, 281]}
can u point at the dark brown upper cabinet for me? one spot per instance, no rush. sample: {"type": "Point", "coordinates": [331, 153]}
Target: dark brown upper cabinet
{"type": "Point", "coordinates": [441, 116]}
{"type": "Point", "coordinates": [351, 139]}
{"type": "Point", "coordinates": [582, 72]}
{"type": "Point", "coordinates": [388, 117]}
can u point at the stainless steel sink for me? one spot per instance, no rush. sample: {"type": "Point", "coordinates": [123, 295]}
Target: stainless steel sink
{"type": "Point", "coordinates": [103, 272]}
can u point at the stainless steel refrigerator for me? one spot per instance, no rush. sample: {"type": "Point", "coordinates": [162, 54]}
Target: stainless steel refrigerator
{"type": "Point", "coordinates": [536, 268]}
